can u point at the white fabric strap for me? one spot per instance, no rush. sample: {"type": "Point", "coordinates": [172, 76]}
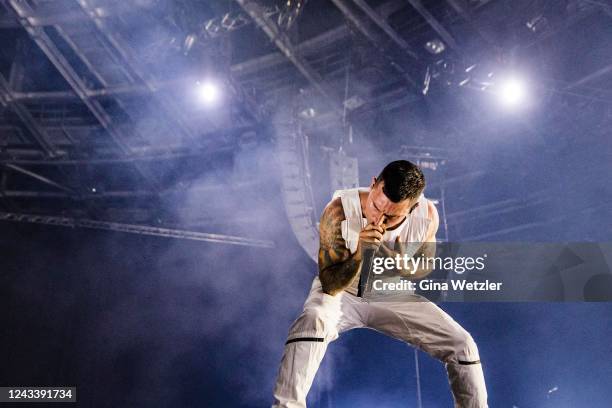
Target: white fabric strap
{"type": "Point", "coordinates": [354, 221]}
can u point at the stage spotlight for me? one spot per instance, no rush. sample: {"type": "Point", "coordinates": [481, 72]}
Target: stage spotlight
{"type": "Point", "coordinates": [511, 91]}
{"type": "Point", "coordinates": [208, 92]}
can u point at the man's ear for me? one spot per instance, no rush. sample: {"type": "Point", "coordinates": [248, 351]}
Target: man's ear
{"type": "Point", "coordinates": [373, 182]}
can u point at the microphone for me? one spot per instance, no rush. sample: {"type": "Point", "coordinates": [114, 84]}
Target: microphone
{"type": "Point", "coordinates": [367, 261]}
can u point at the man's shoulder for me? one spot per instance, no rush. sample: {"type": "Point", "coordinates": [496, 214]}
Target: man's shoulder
{"type": "Point", "coordinates": [434, 221]}
{"type": "Point", "coordinates": [432, 211]}
{"type": "Point", "coordinates": [330, 227]}
{"type": "Point", "coordinates": [333, 211]}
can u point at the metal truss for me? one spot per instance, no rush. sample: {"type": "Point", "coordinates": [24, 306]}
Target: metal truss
{"type": "Point", "coordinates": [41, 38]}
{"type": "Point", "coordinates": [464, 11]}
{"type": "Point", "coordinates": [110, 72]}
{"type": "Point", "coordinates": [135, 229]}
{"type": "Point", "coordinates": [382, 23]}
{"type": "Point", "coordinates": [107, 68]}
{"type": "Point", "coordinates": [435, 24]}
{"type": "Point", "coordinates": [40, 178]}
{"type": "Point", "coordinates": [39, 134]}
{"type": "Point", "coordinates": [99, 46]}
{"type": "Point", "coordinates": [54, 12]}
{"type": "Point", "coordinates": [174, 114]}
{"type": "Point", "coordinates": [282, 42]}
{"type": "Point", "coordinates": [120, 76]}
{"type": "Point", "coordinates": [321, 41]}
{"type": "Point", "coordinates": [373, 38]}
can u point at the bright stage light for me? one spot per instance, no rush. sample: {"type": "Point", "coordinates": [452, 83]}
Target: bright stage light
{"type": "Point", "coordinates": [512, 92]}
{"type": "Point", "coordinates": [208, 92]}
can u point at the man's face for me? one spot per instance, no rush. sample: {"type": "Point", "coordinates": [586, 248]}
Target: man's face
{"type": "Point", "coordinates": [378, 206]}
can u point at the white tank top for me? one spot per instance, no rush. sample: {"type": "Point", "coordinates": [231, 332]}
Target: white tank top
{"type": "Point", "coordinates": [412, 230]}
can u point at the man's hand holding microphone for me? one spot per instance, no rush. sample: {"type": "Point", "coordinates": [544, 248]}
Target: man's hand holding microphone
{"type": "Point", "coordinates": [371, 236]}
{"type": "Point", "coordinates": [370, 239]}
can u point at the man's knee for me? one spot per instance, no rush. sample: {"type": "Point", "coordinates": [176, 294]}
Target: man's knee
{"type": "Point", "coordinates": [465, 372]}
{"type": "Point", "coordinates": [465, 350]}
{"type": "Point", "coordinates": [313, 323]}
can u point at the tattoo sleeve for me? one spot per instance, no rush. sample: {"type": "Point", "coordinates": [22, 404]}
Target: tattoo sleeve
{"type": "Point", "coordinates": [337, 266]}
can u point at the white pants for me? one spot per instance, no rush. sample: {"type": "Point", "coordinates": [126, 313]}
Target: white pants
{"type": "Point", "coordinates": [420, 323]}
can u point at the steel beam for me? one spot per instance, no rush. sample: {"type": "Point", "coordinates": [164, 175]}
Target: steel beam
{"type": "Point", "coordinates": [102, 93]}
{"type": "Point", "coordinates": [136, 229]}
{"type": "Point", "coordinates": [591, 77]}
{"type": "Point", "coordinates": [434, 23]}
{"type": "Point", "coordinates": [38, 177]}
{"type": "Point", "coordinates": [463, 9]}
{"type": "Point", "coordinates": [131, 62]}
{"type": "Point", "coordinates": [63, 66]}
{"type": "Point", "coordinates": [282, 42]}
{"type": "Point", "coordinates": [357, 22]}
{"type": "Point", "coordinates": [250, 105]}
{"type": "Point", "coordinates": [276, 58]}
{"type": "Point", "coordinates": [51, 14]}
{"type": "Point", "coordinates": [382, 23]}
{"type": "Point", "coordinates": [43, 41]}
{"type": "Point", "coordinates": [311, 45]}
{"type": "Point", "coordinates": [102, 161]}
{"type": "Point", "coordinates": [58, 95]}
{"type": "Point", "coordinates": [240, 69]}
{"type": "Point", "coordinates": [90, 196]}
{"type": "Point", "coordinates": [37, 133]}
{"type": "Point", "coordinates": [6, 201]}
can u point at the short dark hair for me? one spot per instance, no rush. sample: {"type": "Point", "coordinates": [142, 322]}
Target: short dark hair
{"type": "Point", "coordinates": [402, 179]}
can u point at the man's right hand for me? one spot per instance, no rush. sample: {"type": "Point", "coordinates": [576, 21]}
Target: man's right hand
{"type": "Point", "coordinates": [371, 236]}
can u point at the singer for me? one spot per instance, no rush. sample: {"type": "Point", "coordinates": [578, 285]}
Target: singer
{"type": "Point", "coordinates": [354, 225]}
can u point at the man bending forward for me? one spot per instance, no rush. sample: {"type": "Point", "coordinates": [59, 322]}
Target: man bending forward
{"type": "Point", "coordinates": [392, 210]}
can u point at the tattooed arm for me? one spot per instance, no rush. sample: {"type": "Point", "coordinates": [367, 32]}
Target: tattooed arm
{"type": "Point", "coordinates": [337, 266]}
